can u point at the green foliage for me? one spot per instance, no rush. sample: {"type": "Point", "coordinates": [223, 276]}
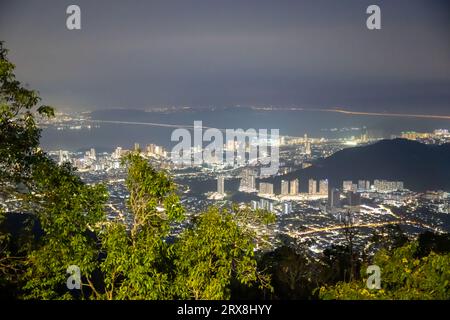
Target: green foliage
{"type": "Point", "coordinates": [70, 214]}
{"type": "Point", "coordinates": [153, 199]}
{"type": "Point", "coordinates": [19, 134]}
{"type": "Point", "coordinates": [19, 152]}
{"type": "Point", "coordinates": [404, 275]}
{"type": "Point", "coordinates": [431, 242]}
{"type": "Point", "coordinates": [341, 263]}
{"type": "Point", "coordinates": [147, 262]}
{"type": "Point", "coordinates": [67, 210]}
{"type": "Point", "coordinates": [217, 249]}
{"type": "Point", "coordinates": [294, 273]}
{"type": "Point", "coordinates": [387, 237]}
{"type": "Point", "coordinates": [138, 261]}
{"type": "Point", "coordinates": [5, 255]}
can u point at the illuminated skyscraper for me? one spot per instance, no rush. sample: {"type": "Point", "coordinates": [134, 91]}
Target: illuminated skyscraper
{"type": "Point", "coordinates": [307, 145]}
{"type": "Point", "coordinates": [287, 207]}
{"type": "Point", "coordinates": [63, 157]}
{"type": "Point", "coordinates": [334, 198]}
{"type": "Point", "coordinates": [92, 154]}
{"type": "Point", "coordinates": [363, 185]}
{"type": "Point", "coordinates": [387, 186]}
{"type": "Point", "coordinates": [294, 187]}
{"type": "Point", "coordinates": [354, 201]}
{"type": "Point", "coordinates": [265, 205]}
{"type": "Point", "coordinates": [347, 185]}
{"type": "Point", "coordinates": [221, 185]}
{"type": "Point", "coordinates": [312, 186]}
{"type": "Point", "coordinates": [248, 178]}
{"type": "Point", "coordinates": [151, 149]}
{"type": "Point", "coordinates": [266, 188]}
{"type": "Point", "coordinates": [284, 187]}
{"type": "Point", "coordinates": [323, 187]}
{"type": "Point", "coordinates": [117, 153]}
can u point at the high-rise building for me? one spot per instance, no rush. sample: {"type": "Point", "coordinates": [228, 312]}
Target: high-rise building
{"type": "Point", "coordinates": [92, 154]}
{"type": "Point", "coordinates": [154, 150]}
{"type": "Point", "coordinates": [347, 185]}
{"type": "Point", "coordinates": [160, 151]}
{"type": "Point", "coordinates": [150, 149]}
{"type": "Point", "coordinates": [254, 204]}
{"type": "Point", "coordinates": [294, 187]}
{"type": "Point", "coordinates": [387, 186]}
{"type": "Point", "coordinates": [284, 187]}
{"type": "Point", "coordinates": [248, 180]}
{"type": "Point", "coordinates": [265, 205]}
{"type": "Point", "coordinates": [363, 185]}
{"type": "Point", "coordinates": [266, 188]}
{"type": "Point", "coordinates": [364, 135]}
{"type": "Point", "coordinates": [221, 185]}
{"type": "Point", "coordinates": [312, 186]}
{"type": "Point", "coordinates": [287, 207]}
{"type": "Point", "coordinates": [354, 200]}
{"type": "Point", "coordinates": [307, 145]}
{"type": "Point", "coordinates": [63, 157]}
{"type": "Point", "coordinates": [252, 182]}
{"type": "Point", "coordinates": [308, 148]}
{"type": "Point", "coordinates": [334, 198]}
{"type": "Point", "coordinates": [118, 153]}
{"type": "Point", "coordinates": [323, 187]}
{"type": "Point", "coordinates": [136, 146]}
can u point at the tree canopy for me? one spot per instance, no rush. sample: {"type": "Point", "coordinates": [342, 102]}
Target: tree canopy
{"type": "Point", "coordinates": [405, 275]}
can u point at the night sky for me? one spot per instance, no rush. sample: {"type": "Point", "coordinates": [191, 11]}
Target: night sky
{"type": "Point", "coordinates": [314, 54]}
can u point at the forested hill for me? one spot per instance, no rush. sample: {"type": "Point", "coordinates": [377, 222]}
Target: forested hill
{"type": "Point", "coordinates": [421, 166]}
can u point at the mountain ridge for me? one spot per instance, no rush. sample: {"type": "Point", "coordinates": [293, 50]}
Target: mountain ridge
{"type": "Point", "coordinates": [421, 166]}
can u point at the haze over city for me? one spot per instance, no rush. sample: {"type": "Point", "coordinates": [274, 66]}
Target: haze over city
{"type": "Point", "coordinates": [197, 53]}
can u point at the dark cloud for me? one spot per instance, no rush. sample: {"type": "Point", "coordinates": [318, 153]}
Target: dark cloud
{"type": "Point", "coordinates": [228, 52]}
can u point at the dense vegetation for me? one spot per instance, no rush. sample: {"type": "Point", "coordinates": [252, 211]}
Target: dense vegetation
{"type": "Point", "coordinates": [62, 222]}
